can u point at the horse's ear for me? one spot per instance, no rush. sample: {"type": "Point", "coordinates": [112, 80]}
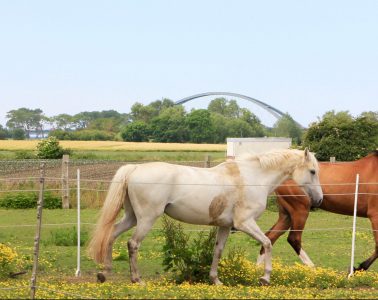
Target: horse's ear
{"type": "Point", "coordinates": [307, 154]}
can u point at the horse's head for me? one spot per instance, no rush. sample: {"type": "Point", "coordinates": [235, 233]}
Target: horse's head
{"type": "Point", "coordinates": [306, 175]}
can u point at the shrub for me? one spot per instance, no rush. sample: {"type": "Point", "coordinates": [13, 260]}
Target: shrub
{"type": "Point", "coordinates": [18, 134]}
{"type": "Point", "coordinates": [60, 134]}
{"type": "Point", "coordinates": [67, 237]}
{"type": "Point", "coordinates": [189, 260]}
{"type": "Point", "coordinates": [342, 136]}
{"type": "Point", "coordinates": [24, 155]}
{"type": "Point", "coordinates": [83, 135]}
{"type": "Point", "coordinates": [49, 149]}
{"type": "Point", "coordinates": [18, 200]}
{"type": "Point", "coordinates": [236, 269]}
{"type": "Point", "coordinates": [24, 200]}
{"type": "Point", "coordinates": [303, 276]}
{"type": "Point", "coordinates": [51, 201]}
{"type": "Point", "coordinates": [9, 260]}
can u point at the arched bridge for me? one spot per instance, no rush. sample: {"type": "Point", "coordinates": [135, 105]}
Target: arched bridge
{"type": "Point", "coordinates": [272, 110]}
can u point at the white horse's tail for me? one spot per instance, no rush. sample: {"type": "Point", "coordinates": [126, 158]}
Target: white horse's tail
{"type": "Point", "coordinates": [117, 195]}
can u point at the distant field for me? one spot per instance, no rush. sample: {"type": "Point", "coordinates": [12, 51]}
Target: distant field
{"type": "Point", "coordinates": [10, 145]}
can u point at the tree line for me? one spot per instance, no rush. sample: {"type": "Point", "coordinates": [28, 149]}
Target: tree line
{"type": "Point", "coordinates": [159, 121]}
{"type": "Point", "coordinates": [334, 134]}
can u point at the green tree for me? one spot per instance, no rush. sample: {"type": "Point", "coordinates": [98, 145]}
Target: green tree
{"type": "Point", "coordinates": [370, 115]}
{"type": "Point", "coordinates": [26, 119]}
{"type": "Point", "coordinates": [218, 105]}
{"type": "Point", "coordinates": [110, 124]}
{"type": "Point", "coordinates": [253, 121]}
{"type": "Point", "coordinates": [287, 127]}
{"type": "Point", "coordinates": [82, 120]}
{"type": "Point", "coordinates": [108, 120]}
{"type": "Point", "coordinates": [63, 121]}
{"type": "Point", "coordinates": [146, 113]}
{"type": "Point", "coordinates": [232, 109]}
{"type": "Point", "coordinates": [227, 108]}
{"type": "Point", "coordinates": [239, 128]}
{"type": "Point", "coordinates": [200, 127]}
{"type": "Point", "coordinates": [3, 133]}
{"type": "Point", "coordinates": [342, 136]}
{"type": "Point", "coordinates": [170, 126]}
{"type": "Point", "coordinates": [220, 128]}
{"type": "Point", "coordinates": [18, 134]}
{"type": "Point", "coordinates": [137, 131]}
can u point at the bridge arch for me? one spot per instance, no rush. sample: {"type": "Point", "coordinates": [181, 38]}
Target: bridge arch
{"type": "Point", "coordinates": [272, 110]}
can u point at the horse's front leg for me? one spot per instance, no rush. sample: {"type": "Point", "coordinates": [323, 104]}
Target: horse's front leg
{"type": "Point", "coordinates": [222, 235]}
{"type": "Point", "coordinates": [295, 236]}
{"type": "Point", "coordinates": [250, 227]}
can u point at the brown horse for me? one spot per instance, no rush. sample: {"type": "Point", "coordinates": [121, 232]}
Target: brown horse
{"type": "Point", "coordinates": [338, 184]}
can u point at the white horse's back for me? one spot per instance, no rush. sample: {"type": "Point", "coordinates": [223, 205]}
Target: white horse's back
{"type": "Point", "coordinates": [189, 194]}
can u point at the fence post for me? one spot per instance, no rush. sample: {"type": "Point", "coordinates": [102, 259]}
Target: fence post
{"type": "Point", "coordinates": [207, 161]}
{"type": "Point", "coordinates": [65, 185]}
{"type": "Point", "coordinates": [38, 231]}
{"type": "Point", "coordinates": [77, 274]}
{"type": "Point", "coordinates": [354, 227]}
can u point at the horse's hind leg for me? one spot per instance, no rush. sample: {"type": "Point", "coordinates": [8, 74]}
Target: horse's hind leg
{"type": "Point", "coordinates": [367, 263]}
{"type": "Point", "coordinates": [144, 225]}
{"type": "Point", "coordinates": [222, 235]}
{"type": "Point", "coordinates": [128, 221]}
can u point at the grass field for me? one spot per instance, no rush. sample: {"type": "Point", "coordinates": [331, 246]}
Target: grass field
{"type": "Point", "coordinates": [114, 146]}
{"type": "Point", "coordinates": [124, 151]}
{"type": "Point", "coordinates": [327, 240]}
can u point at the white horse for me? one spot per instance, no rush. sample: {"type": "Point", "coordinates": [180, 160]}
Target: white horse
{"type": "Point", "coordinates": [232, 194]}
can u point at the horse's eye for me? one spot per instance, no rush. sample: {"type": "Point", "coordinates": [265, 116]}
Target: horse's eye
{"type": "Point", "coordinates": [312, 172]}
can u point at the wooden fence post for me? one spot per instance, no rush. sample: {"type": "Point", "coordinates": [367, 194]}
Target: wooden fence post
{"type": "Point", "coordinates": [207, 161]}
{"type": "Point", "coordinates": [65, 183]}
{"type": "Point", "coordinates": [38, 231]}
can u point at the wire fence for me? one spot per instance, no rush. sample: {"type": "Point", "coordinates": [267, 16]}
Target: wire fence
{"type": "Point", "coordinates": [22, 177]}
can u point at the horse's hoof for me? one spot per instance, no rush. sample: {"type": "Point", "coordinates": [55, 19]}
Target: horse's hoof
{"type": "Point", "coordinates": [138, 281]}
{"type": "Point", "coordinates": [101, 278]}
{"type": "Point", "coordinates": [264, 282]}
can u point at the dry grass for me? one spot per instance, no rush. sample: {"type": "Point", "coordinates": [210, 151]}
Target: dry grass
{"type": "Point", "coordinates": [113, 146]}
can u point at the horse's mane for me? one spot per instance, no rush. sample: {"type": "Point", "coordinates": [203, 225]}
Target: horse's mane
{"type": "Point", "coordinates": [283, 159]}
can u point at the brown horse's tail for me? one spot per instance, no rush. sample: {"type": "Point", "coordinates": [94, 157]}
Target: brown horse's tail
{"type": "Point", "coordinates": [116, 197]}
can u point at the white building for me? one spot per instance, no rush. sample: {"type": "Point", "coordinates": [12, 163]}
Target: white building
{"type": "Point", "coordinates": [238, 146]}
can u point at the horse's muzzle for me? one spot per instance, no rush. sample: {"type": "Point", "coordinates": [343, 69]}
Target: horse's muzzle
{"type": "Point", "coordinates": [316, 203]}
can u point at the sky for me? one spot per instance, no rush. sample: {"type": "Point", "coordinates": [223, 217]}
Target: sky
{"type": "Point", "coordinates": [302, 57]}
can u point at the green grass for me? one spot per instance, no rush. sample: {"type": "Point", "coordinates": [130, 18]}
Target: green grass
{"type": "Point", "coordinates": [327, 248]}
{"type": "Point", "coordinates": [120, 155]}
{"type": "Point", "coordinates": [148, 155]}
